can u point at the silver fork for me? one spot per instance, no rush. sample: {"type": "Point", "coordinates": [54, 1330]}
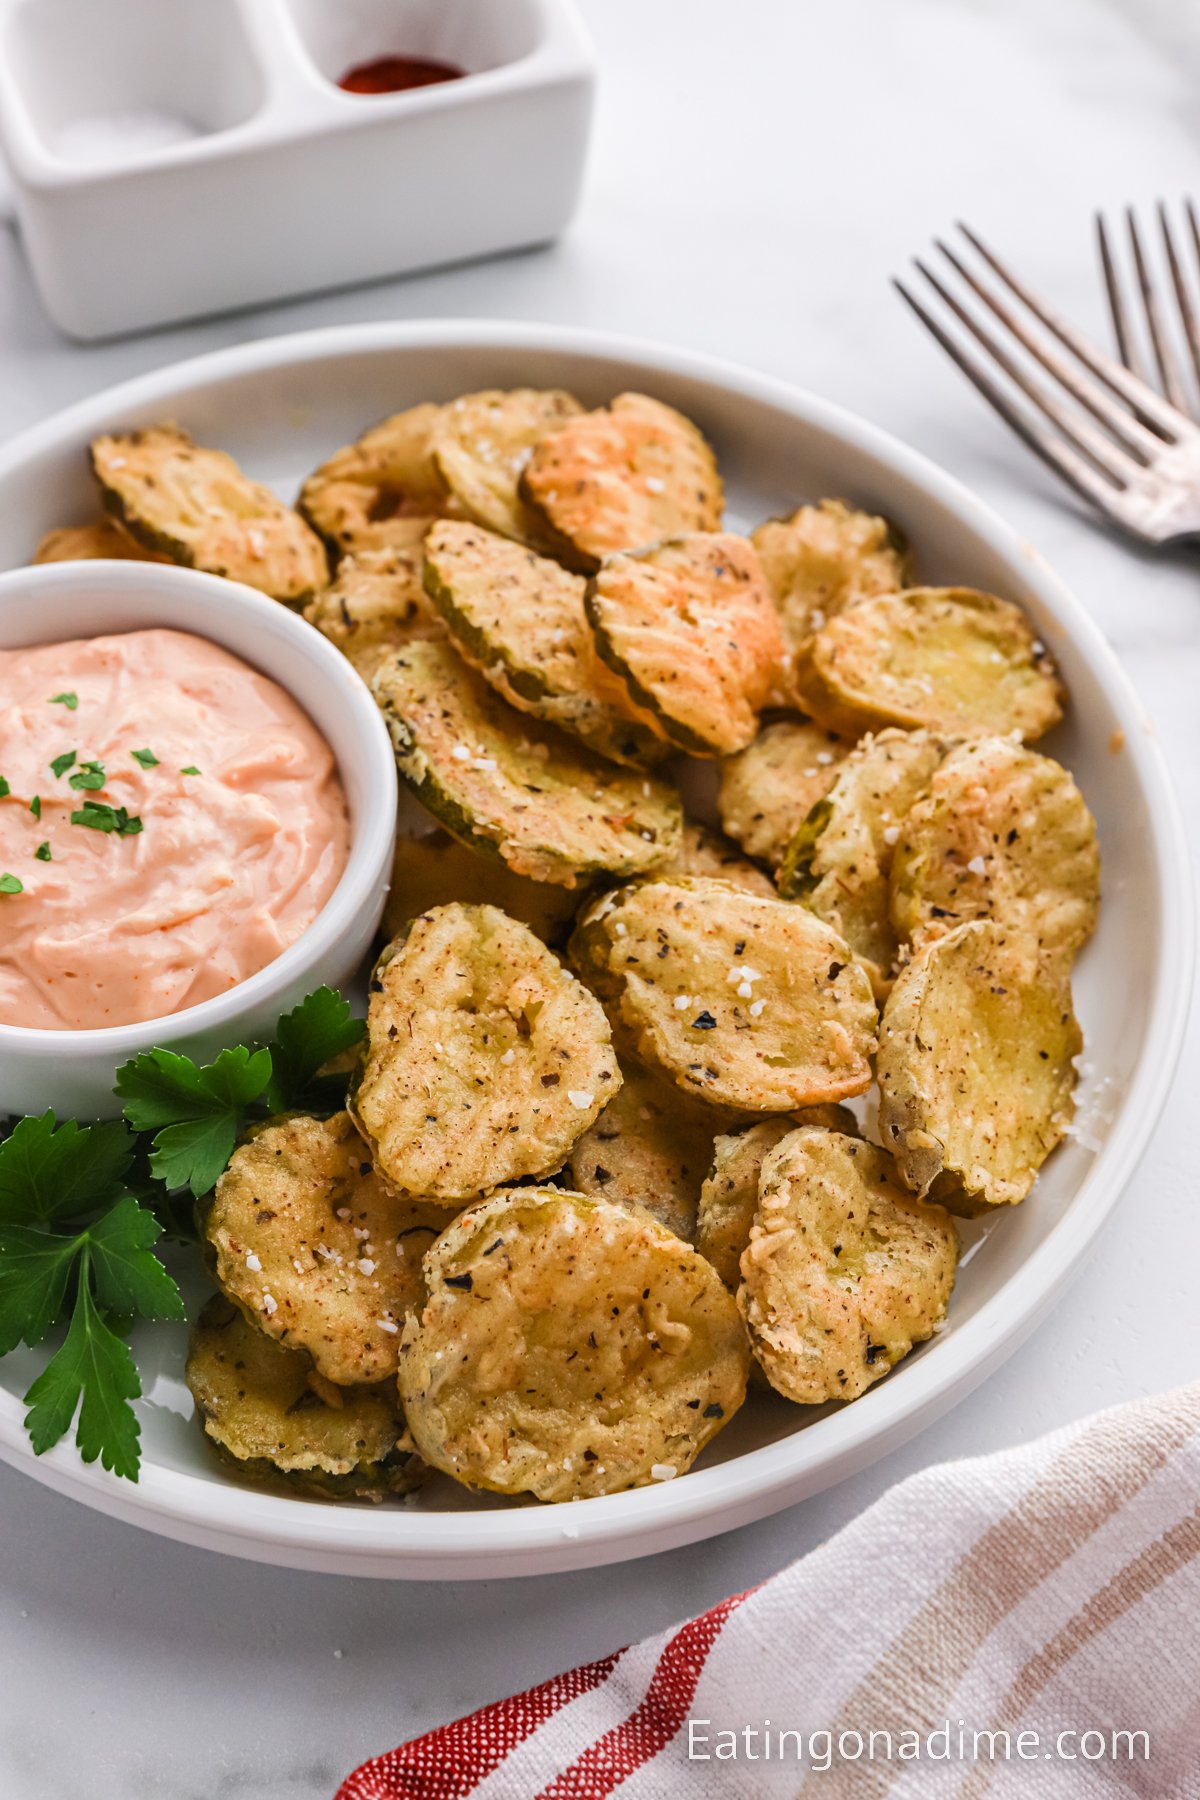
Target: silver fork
{"type": "Point", "coordinates": [1129, 449]}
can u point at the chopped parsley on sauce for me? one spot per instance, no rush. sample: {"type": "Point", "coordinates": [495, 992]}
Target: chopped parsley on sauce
{"type": "Point", "coordinates": [5, 790]}
{"type": "Point", "coordinates": [70, 701]}
{"type": "Point", "coordinates": [10, 885]}
{"type": "Point", "coordinates": [89, 776]}
{"type": "Point", "coordinates": [43, 853]}
{"type": "Point", "coordinates": [98, 816]}
{"type": "Point", "coordinates": [62, 763]}
{"type": "Point", "coordinates": [35, 806]}
{"type": "Point", "coordinates": [147, 758]}
{"type": "Point", "coordinates": [190, 770]}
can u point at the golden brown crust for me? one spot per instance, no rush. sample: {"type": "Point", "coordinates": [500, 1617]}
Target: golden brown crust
{"type": "Point", "coordinates": [485, 1059]}
{"type": "Point", "coordinates": [689, 626]}
{"type": "Point", "coordinates": [823, 557]}
{"type": "Point", "coordinates": [551, 809]}
{"type": "Point", "coordinates": [769, 788]}
{"type": "Point", "coordinates": [482, 442]}
{"type": "Point", "coordinates": [196, 507]}
{"type": "Point", "coordinates": [976, 1066]}
{"type": "Point", "coordinates": [374, 606]}
{"type": "Point", "coordinates": [102, 541]}
{"type": "Point", "coordinates": [749, 1002]}
{"type": "Point", "coordinates": [951, 660]}
{"type": "Point", "coordinates": [628, 474]}
{"type": "Point", "coordinates": [266, 1413]}
{"type": "Point", "coordinates": [844, 1271]}
{"type": "Point", "coordinates": [434, 869]}
{"type": "Point", "coordinates": [568, 1348]}
{"type": "Point", "coordinates": [367, 495]}
{"type": "Point", "coordinates": [315, 1250]}
{"type": "Point", "coordinates": [1003, 833]}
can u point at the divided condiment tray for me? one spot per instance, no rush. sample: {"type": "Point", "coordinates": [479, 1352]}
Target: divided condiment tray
{"type": "Point", "coordinates": [245, 173]}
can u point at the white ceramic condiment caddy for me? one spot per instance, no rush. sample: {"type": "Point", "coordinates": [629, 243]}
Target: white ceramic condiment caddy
{"type": "Point", "coordinates": [178, 157]}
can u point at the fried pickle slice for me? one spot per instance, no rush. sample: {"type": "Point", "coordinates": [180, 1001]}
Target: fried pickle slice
{"type": "Point", "coordinates": [485, 1058]}
{"type": "Point", "coordinates": [481, 444]}
{"type": "Point", "coordinates": [261, 1412]}
{"type": "Point", "coordinates": [729, 1192]}
{"type": "Point", "coordinates": [315, 1249]}
{"type": "Point", "coordinates": [569, 1347]}
{"type": "Point", "coordinates": [196, 507]}
{"type": "Point", "coordinates": [749, 1002]}
{"type": "Point", "coordinates": [518, 618]}
{"type": "Point", "coordinates": [375, 605]}
{"type": "Point", "coordinates": [976, 1066]}
{"type": "Point", "coordinates": [629, 474]}
{"type": "Point", "coordinates": [369, 493]}
{"type": "Point", "coordinates": [823, 557]}
{"type": "Point", "coordinates": [845, 1270]}
{"type": "Point", "coordinates": [101, 541]}
{"type": "Point", "coordinates": [435, 868]}
{"type": "Point", "coordinates": [689, 626]}
{"type": "Point", "coordinates": [951, 660]}
{"type": "Point", "coordinates": [839, 861]}
{"type": "Point", "coordinates": [1003, 833]}
{"type": "Point", "coordinates": [769, 788]}
{"type": "Point", "coordinates": [501, 781]}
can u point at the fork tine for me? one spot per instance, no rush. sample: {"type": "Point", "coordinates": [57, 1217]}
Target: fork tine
{"type": "Point", "coordinates": [1060, 457]}
{"type": "Point", "coordinates": [1127, 348]}
{"type": "Point", "coordinates": [1187, 311]}
{"type": "Point", "coordinates": [1140, 443]}
{"type": "Point", "coordinates": [1167, 420]}
{"type": "Point", "coordinates": [1082, 436]}
{"type": "Point", "coordinates": [1168, 370]}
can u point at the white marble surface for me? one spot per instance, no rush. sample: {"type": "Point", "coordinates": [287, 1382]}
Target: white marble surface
{"type": "Point", "coordinates": [759, 170]}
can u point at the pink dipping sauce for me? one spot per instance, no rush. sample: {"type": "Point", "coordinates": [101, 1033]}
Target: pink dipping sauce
{"type": "Point", "coordinates": [230, 865]}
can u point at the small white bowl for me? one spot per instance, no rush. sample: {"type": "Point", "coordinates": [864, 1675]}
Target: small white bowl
{"type": "Point", "coordinates": [73, 1071]}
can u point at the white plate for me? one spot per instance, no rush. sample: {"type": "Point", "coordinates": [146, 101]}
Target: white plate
{"type": "Point", "coordinates": [280, 407]}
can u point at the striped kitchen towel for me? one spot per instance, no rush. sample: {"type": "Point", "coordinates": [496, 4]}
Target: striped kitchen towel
{"type": "Point", "coordinates": [1022, 1624]}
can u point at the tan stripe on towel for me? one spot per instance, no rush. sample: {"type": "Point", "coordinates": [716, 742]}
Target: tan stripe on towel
{"type": "Point", "coordinates": [1157, 1563]}
{"type": "Point", "coordinates": [910, 1686]}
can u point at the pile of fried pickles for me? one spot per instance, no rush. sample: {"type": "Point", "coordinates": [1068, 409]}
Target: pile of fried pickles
{"type": "Point", "coordinates": [596, 1169]}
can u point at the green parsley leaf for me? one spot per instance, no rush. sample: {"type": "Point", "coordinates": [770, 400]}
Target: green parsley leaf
{"type": "Point", "coordinates": [128, 1277]}
{"type": "Point", "coordinates": [193, 1112]}
{"type": "Point", "coordinates": [97, 815]}
{"type": "Point", "coordinates": [95, 1373]}
{"type": "Point", "coordinates": [9, 884]}
{"type": "Point", "coordinates": [308, 1037]}
{"type": "Point", "coordinates": [89, 776]}
{"type": "Point", "coordinates": [51, 1172]}
{"type": "Point", "coordinates": [70, 701]}
{"type": "Point", "coordinates": [190, 770]}
{"type": "Point", "coordinates": [147, 758]}
{"type": "Point", "coordinates": [5, 790]}
{"type": "Point", "coordinates": [35, 806]}
{"type": "Point", "coordinates": [43, 853]}
{"type": "Point", "coordinates": [62, 763]}
{"type": "Point", "coordinates": [34, 1268]}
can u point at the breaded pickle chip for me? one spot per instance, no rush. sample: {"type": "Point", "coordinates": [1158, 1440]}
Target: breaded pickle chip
{"type": "Point", "coordinates": [485, 1059]}
{"type": "Point", "coordinates": [822, 557]}
{"type": "Point", "coordinates": [1005, 834]}
{"type": "Point", "coordinates": [518, 618]}
{"type": "Point", "coordinates": [649, 1147]}
{"type": "Point", "coordinates": [769, 788]}
{"type": "Point", "coordinates": [707, 853]}
{"type": "Point", "coordinates": [550, 808]}
{"type": "Point", "coordinates": [102, 541]}
{"type": "Point", "coordinates": [482, 442]}
{"type": "Point", "coordinates": [839, 861]}
{"type": "Point", "coordinates": [363, 497]}
{"type": "Point", "coordinates": [375, 605]}
{"type": "Point", "coordinates": [315, 1249]}
{"type": "Point", "coordinates": [948, 659]}
{"type": "Point", "coordinates": [729, 1194]}
{"type": "Point", "coordinates": [255, 1400]}
{"type": "Point", "coordinates": [568, 1348]}
{"type": "Point", "coordinates": [196, 507]}
{"type": "Point", "coordinates": [629, 474]}
{"type": "Point", "coordinates": [976, 1071]}
{"type": "Point", "coordinates": [690, 628]}
{"type": "Point", "coordinates": [844, 1272]}
{"type": "Point", "coordinates": [434, 869]}
{"type": "Point", "coordinates": [753, 1003]}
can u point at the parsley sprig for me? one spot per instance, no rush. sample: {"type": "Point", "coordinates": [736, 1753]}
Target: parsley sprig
{"type": "Point", "coordinates": [83, 1207]}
